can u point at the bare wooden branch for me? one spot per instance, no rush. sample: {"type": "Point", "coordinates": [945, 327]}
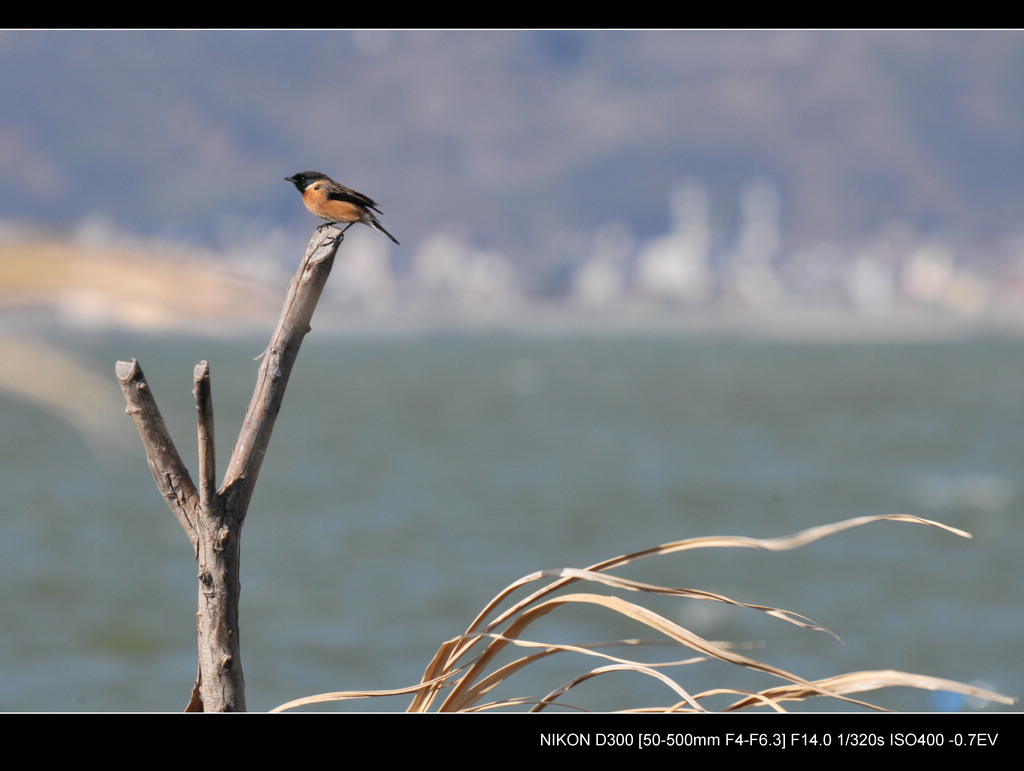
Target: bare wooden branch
{"type": "Point", "coordinates": [170, 474]}
{"type": "Point", "coordinates": [211, 518]}
{"type": "Point", "coordinates": [220, 681]}
{"type": "Point", "coordinates": [300, 302]}
{"type": "Point", "coordinates": [204, 418]}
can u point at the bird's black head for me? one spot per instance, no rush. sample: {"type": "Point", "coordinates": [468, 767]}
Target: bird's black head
{"type": "Point", "coordinates": [303, 179]}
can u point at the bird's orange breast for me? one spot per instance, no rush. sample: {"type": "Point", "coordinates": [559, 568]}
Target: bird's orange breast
{"type": "Point", "coordinates": [316, 200]}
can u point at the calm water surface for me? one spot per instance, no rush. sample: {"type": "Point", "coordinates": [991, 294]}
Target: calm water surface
{"type": "Point", "coordinates": [410, 480]}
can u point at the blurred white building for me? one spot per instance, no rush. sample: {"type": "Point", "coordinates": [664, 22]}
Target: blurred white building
{"type": "Point", "coordinates": [602, 280]}
{"type": "Point", "coordinates": [362, 274]}
{"type": "Point", "coordinates": [752, 274]}
{"type": "Point", "coordinates": [447, 271]}
{"type": "Point", "coordinates": [931, 276]}
{"type": "Point", "coordinates": [675, 267]}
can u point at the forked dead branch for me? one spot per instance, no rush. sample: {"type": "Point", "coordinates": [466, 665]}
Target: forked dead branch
{"type": "Point", "coordinates": [212, 517]}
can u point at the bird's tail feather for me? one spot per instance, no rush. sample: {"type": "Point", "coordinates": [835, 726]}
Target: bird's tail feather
{"type": "Point", "coordinates": [377, 226]}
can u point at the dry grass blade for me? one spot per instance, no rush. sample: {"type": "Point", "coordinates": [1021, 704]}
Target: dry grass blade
{"type": "Point", "coordinates": [651, 670]}
{"type": "Point", "coordinates": [696, 594]}
{"type": "Point", "coordinates": [455, 650]}
{"type": "Point", "coordinates": [858, 682]}
{"type": "Point", "coordinates": [349, 695]}
{"type": "Point", "coordinates": [470, 695]}
{"type": "Point", "coordinates": [785, 543]}
{"type": "Point", "coordinates": [461, 664]}
{"type": "Point", "coordinates": [463, 693]}
{"type": "Point", "coordinates": [637, 668]}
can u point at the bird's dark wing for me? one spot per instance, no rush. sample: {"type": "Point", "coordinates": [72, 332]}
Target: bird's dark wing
{"type": "Point", "coordinates": [342, 193]}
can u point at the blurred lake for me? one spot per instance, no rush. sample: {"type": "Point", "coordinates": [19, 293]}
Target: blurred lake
{"type": "Point", "coordinates": [410, 479]}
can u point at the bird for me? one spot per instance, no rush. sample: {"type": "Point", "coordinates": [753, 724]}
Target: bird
{"type": "Point", "coordinates": [336, 203]}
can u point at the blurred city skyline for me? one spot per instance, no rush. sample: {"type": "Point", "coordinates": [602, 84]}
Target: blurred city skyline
{"type": "Point", "coordinates": [859, 169]}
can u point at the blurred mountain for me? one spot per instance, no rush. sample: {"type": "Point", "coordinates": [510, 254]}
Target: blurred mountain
{"type": "Point", "coordinates": [514, 138]}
